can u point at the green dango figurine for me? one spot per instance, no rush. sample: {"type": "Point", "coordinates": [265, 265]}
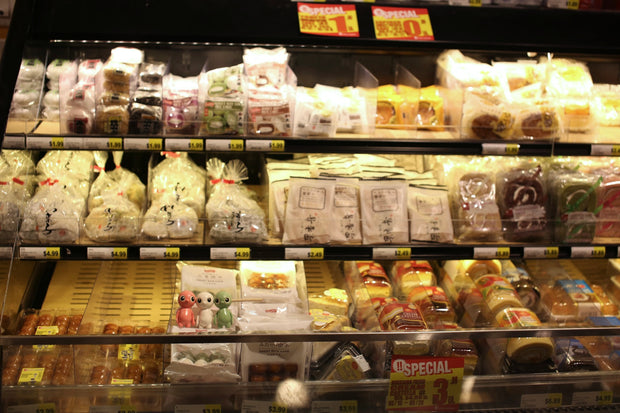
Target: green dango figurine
{"type": "Point", "coordinates": [223, 317]}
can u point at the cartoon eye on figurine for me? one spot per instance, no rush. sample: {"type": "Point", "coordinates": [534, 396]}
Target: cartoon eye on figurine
{"type": "Point", "coordinates": [223, 317]}
{"type": "Point", "coordinates": [185, 315]}
{"type": "Point", "coordinates": [204, 301]}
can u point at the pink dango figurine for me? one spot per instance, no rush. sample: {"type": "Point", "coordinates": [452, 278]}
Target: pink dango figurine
{"type": "Point", "coordinates": [185, 315]}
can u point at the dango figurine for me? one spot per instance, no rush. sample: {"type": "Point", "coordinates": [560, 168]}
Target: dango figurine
{"type": "Point", "coordinates": [185, 315]}
{"type": "Point", "coordinates": [204, 301]}
{"type": "Point", "coordinates": [223, 317]}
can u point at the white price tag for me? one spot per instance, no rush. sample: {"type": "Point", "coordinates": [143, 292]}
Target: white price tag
{"type": "Point", "coordinates": [334, 406]}
{"type": "Point", "coordinates": [592, 398]}
{"type": "Point", "coordinates": [104, 144]}
{"type": "Point", "coordinates": [489, 253]}
{"type": "Point", "coordinates": [33, 408]}
{"type": "Point", "coordinates": [543, 400]}
{"type": "Point", "coordinates": [259, 406]}
{"type": "Point", "coordinates": [265, 145]}
{"type": "Point", "coordinates": [142, 144]}
{"type": "Point", "coordinates": [187, 144]}
{"type": "Point", "coordinates": [106, 253]}
{"type": "Point", "coordinates": [541, 252]}
{"type": "Point", "coordinates": [230, 253]}
{"type": "Point", "coordinates": [198, 408]}
{"type": "Point", "coordinates": [6, 253]}
{"type": "Point", "coordinates": [224, 145]}
{"type": "Point", "coordinates": [304, 253]}
{"type": "Point", "coordinates": [160, 253]}
{"type": "Point", "coordinates": [49, 142]}
{"type": "Point", "coordinates": [605, 150]}
{"type": "Point", "coordinates": [403, 253]}
{"type": "Point", "coordinates": [587, 252]}
{"type": "Point", "coordinates": [14, 142]}
{"type": "Point", "coordinates": [500, 148]}
{"type": "Point", "coordinates": [39, 253]}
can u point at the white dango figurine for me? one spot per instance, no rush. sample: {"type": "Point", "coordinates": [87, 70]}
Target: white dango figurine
{"type": "Point", "coordinates": [204, 301]}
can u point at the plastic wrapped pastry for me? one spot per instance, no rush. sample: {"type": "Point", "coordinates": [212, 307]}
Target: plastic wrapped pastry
{"type": "Point", "coordinates": [148, 96]}
{"type": "Point", "coordinates": [537, 122]}
{"type": "Point", "coordinates": [180, 104]}
{"type": "Point", "coordinates": [575, 205]}
{"type": "Point", "coordinates": [522, 200]}
{"type": "Point", "coordinates": [429, 214]}
{"type": "Point", "coordinates": [485, 119]}
{"type": "Point", "coordinates": [14, 193]}
{"type": "Point", "coordinates": [169, 218]}
{"type": "Point", "coordinates": [308, 217]}
{"type": "Point", "coordinates": [223, 117]}
{"type": "Point", "coordinates": [407, 275]}
{"type": "Point", "coordinates": [68, 165]}
{"type": "Point", "coordinates": [112, 120]}
{"type": "Point", "coordinates": [232, 214]}
{"type": "Point", "coordinates": [57, 67]}
{"type": "Point", "coordinates": [525, 350]}
{"type": "Point", "coordinates": [477, 212]}
{"type": "Point", "coordinates": [31, 69]}
{"type": "Point", "coordinates": [88, 70]}
{"type": "Point", "coordinates": [351, 106]}
{"type": "Point", "coordinates": [608, 195]}
{"type": "Point", "coordinates": [152, 73]}
{"type": "Point", "coordinates": [384, 211]}
{"type": "Point", "coordinates": [226, 82]}
{"type": "Point", "coordinates": [117, 219]}
{"type": "Point", "coordinates": [179, 177]}
{"type": "Point", "coordinates": [144, 119]}
{"type": "Point", "coordinates": [313, 115]}
{"type": "Point", "coordinates": [108, 98]}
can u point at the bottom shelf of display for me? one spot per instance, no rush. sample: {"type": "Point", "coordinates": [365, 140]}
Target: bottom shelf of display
{"type": "Point", "coordinates": [523, 392]}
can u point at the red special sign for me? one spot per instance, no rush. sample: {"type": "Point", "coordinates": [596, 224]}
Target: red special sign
{"type": "Point", "coordinates": [399, 23]}
{"type": "Point", "coordinates": [328, 19]}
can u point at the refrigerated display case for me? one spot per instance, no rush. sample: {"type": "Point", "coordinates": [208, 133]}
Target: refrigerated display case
{"type": "Point", "coordinates": [122, 291]}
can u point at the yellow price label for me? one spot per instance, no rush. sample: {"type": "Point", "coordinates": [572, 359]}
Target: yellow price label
{"type": "Point", "coordinates": [512, 149]}
{"type": "Point", "coordinates": [403, 253]}
{"type": "Point", "coordinates": [316, 254]}
{"type": "Point", "coordinates": [572, 4]}
{"type": "Point", "coordinates": [425, 383]}
{"type": "Point", "coordinates": [115, 144]}
{"type": "Point", "coordinates": [502, 253]}
{"type": "Point", "coordinates": [553, 400]}
{"type": "Point", "coordinates": [155, 144]}
{"type": "Point", "coordinates": [212, 408]}
{"type": "Point", "coordinates": [31, 375]}
{"type": "Point", "coordinates": [242, 253]}
{"type": "Point", "coordinates": [119, 253]}
{"type": "Point", "coordinates": [604, 397]}
{"type": "Point", "coordinates": [122, 381]}
{"type": "Point", "coordinates": [57, 143]}
{"type": "Point", "coordinates": [475, 3]}
{"type": "Point", "coordinates": [598, 252]}
{"type": "Point", "coordinates": [172, 253]}
{"type": "Point", "coordinates": [236, 145]}
{"type": "Point", "coordinates": [276, 145]}
{"type": "Point", "coordinates": [196, 145]}
{"type": "Point", "coordinates": [277, 408]}
{"type": "Point", "coordinates": [128, 352]}
{"type": "Point", "coordinates": [615, 149]}
{"type": "Point", "coordinates": [551, 252]}
{"type": "Point", "coordinates": [348, 406]}
{"type": "Point", "coordinates": [401, 23]}
{"type": "Point", "coordinates": [51, 253]}
{"type": "Point", "coordinates": [46, 331]}
{"type": "Point", "coordinates": [46, 408]}
{"type": "Point", "coordinates": [328, 20]}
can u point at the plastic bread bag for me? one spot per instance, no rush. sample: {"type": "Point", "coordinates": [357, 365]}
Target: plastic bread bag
{"type": "Point", "coordinates": [14, 193]}
{"type": "Point", "coordinates": [57, 67]}
{"type": "Point", "coordinates": [77, 108]}
{"type": "Point", "coordinates": [88, 70]}
{"type": "Point", "coordinates": [167, 217]}
{"type": "Point", "coordinates": [223, 117]}
{"type": "Point", "coordinates": [179, 178]}
{"type": "Point", "coordinates": [231, 213]}
{"type": "Point", "coordinates": [523, 201]}
{"type": "Point", "coordinates": [271, 281]}
{"type": "Point", "coordinates": [608, 196]}
{"type": "Point", "coordinates": [116, 219]}
{"type": "Point", "coordinates": [606, 104]}
{"type": "Point", "coordinates": [429, 214]}
{"type": "Point", "coordinates": [384, 211]}
{"type": "Point", "coordinates": [269, 117]}
{"type": "Point", "coordinates": [53, 214]}
{"type": "Point", "coordinates": [31, 69]}
{"type": "Point", "coordinates": [313, 116]}
{"type": "Point", "coordinates": [109, 98]}
{"type": "Point", "coordinates": [521, 73]}
{"type": "Point", "coordinates": [265, 67]}
{"type": "Point", "coordinates": [346, 227]}
{"type": "Point", "coordinates": [51, 99]}
{"type": "Point", "coordinates": [308, 215]}
{"type": "Point", "coordinates": [578, 113]}
{"type": "Point", "coordinates": [16, 162]}
{"type": "Point", "coordinates": [574, 204]}
{"type": "Point", "coordinates": [152, 73]}
{"type": "Point", "coordinates": [144, 119]}
{"type": "Point", "coordinates": [76, 165]}
{"type": "Point", "coordinates": [226, 83]}
{"type": "Point", "coordinates": [486, 119]}
{"type": "Point", "coordinates": [151, 95]}
{"type": "Point", "coordinates": [203, 363]}
{"type": "Point", "coordinates": [180, 104]}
